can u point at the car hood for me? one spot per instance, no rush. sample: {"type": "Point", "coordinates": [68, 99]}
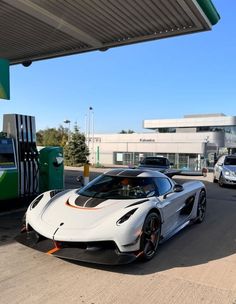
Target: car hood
{"type": "Point", "coordinates": [230, 168]}
{"type": "Point", "coordinates": [75, 211]}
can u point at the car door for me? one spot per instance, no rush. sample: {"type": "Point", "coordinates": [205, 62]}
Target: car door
{"type": "Point", "coordinates": [176, 206]}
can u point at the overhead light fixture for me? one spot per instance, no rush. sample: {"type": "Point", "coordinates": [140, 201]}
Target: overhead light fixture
{"type": "Point", "coordinates": [27, 63]}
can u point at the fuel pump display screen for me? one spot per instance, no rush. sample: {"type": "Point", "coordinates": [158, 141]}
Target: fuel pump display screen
{"type": "Point", "coordinates": [7, 156]}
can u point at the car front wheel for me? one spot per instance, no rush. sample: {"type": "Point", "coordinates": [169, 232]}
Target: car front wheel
{"type": "Point", "coordinates": [221, 181]}
{"type": "Point", "coordinates": [150, 236]}
{"type": "Point", "coordinates": [214, 180]}
{"type": "Point", "coordinates": [201, 207]}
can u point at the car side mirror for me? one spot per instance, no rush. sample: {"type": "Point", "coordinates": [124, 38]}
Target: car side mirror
{"type": "Point", "coordinates": [178, 188]}
{"type": "Point", "coordinates": [171, 164]}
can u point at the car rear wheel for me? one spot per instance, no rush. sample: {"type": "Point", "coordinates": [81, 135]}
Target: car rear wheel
{"type": "Point", "coordinates": [201, 207]}
{"type": "Point", "coordinates": [150, 236]}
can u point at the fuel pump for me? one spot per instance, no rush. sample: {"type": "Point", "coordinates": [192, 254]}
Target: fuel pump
{"type": "Point", "coordinates": [8, 169]}
{"type": "Point", "coordinates": [23, 171]}
{"type": "Point", "coordinates": [21, 130]}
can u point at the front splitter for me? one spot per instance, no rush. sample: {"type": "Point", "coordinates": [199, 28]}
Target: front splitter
{"type": "Point", "coordinates": [102, 256]}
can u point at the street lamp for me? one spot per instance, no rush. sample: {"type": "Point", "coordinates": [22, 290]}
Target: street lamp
{"type": "Point", "coordinates": [67, 121]}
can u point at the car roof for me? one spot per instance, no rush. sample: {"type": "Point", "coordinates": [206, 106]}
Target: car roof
{"type": "Point", "coordinates": [154, 157]}
{"type": "Point", "coordinates": [134, 173]}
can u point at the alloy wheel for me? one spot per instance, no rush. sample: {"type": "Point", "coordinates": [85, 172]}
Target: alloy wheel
{"type": "Point", "coordinates": [151, 236]}
{"type": "Point", "coordinates": [201, 208]}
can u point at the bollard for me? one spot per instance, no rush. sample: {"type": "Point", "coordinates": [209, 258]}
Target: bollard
{"type": "Point", "coordinates": [86, 173]}
{"type": "Point", "coordinates": [204, 171]}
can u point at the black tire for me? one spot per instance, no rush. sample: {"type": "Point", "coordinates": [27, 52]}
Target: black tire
{"type": "Point", "coordinates": [201, 207]}
{"type": "Point", "coordinates": [221, 181]}
{"type": "Point", "coordinates": [214, 180]}
{"type": "Point", "coordinates": [150, 236]}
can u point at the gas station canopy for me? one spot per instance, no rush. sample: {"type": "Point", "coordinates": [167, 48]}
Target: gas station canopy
{"type": "Point", "coordinates": [39, 29]}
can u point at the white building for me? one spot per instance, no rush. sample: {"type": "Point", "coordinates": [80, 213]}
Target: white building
{"type": "Point", "coordinates": [190, 142]}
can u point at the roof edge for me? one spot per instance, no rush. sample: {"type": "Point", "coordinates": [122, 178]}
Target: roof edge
{"type": "Point", "coordinates": [210, 11]}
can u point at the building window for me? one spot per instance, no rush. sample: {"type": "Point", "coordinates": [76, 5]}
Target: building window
{"type": "Point", "coordinates": [166, 130]}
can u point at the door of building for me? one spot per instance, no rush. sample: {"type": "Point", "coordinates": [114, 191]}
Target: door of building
{"type": "Point", "coordinates": [127, 158]}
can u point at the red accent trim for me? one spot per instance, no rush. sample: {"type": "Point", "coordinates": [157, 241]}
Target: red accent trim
{"type": "Point", "coordinates": [55, 249]}
{"type": "Point", "coordinates": [139, 254]}
{"type": "Point", "coordinates": [81, 208]}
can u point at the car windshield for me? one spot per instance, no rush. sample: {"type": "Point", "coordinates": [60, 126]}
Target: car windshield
{"type": "Point", "coordinates": [117, 187]}
{"type": "Point", "coordinates": [230, 161]}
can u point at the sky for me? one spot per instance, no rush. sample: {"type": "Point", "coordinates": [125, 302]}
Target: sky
{"type": "Point", "coordinates": [161, 79]}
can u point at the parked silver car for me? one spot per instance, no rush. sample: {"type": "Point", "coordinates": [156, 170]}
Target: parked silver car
{"type": "Point", "coordinates": [225, 170]}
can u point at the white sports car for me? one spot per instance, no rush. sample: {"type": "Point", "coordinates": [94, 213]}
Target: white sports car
{"type": "Point", "coordinates": [118, 217]}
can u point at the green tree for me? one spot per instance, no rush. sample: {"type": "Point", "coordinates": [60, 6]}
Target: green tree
{"type": "Point", "coordinates": [126, 132]}
{"type": "Point", "coordinates": [130, 131]}
{"type": "Point", "coordinates": [76, 150]}
{"type": "Point", "coordinates": [39, 137]}
{"type": "Point", "coordinates": [52, 137]}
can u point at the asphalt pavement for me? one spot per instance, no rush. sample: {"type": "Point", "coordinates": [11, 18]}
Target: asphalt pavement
{"type": "Point", "coordinates": [198, 265]}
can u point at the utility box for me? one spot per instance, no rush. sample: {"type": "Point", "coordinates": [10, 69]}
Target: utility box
{"type": "Point", "coordinates": [51, 168]}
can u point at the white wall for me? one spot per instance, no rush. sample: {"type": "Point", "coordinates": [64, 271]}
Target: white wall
{"type": "Point", "coordinates": [154, 142]}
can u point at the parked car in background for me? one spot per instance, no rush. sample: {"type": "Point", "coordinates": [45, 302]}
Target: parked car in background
{"type": "Point", "coordinates": [225, 170]}
{"type": "Point", "coordinates": [160, 163]}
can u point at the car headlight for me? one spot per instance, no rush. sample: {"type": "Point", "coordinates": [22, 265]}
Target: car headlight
{"type": "Point", "coordinates": [36, 201]}
{"type": "Point", "coordinates": [227, 173]}
{"type": "Point", "coordinates": [125, 217]}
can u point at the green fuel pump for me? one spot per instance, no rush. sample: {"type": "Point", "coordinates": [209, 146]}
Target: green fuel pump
{"type": "Point", "coordinates": [24, 173]}
{"type": "Point", "coordinates": [8, 170]}
{"type": "Point", "coordinates": [18, 157]}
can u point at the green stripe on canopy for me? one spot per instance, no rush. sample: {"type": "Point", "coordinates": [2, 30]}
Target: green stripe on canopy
{"type": "Point", "coordinates": [4, 79]}
{"type": "Point", "coordinates": [210, 11]}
